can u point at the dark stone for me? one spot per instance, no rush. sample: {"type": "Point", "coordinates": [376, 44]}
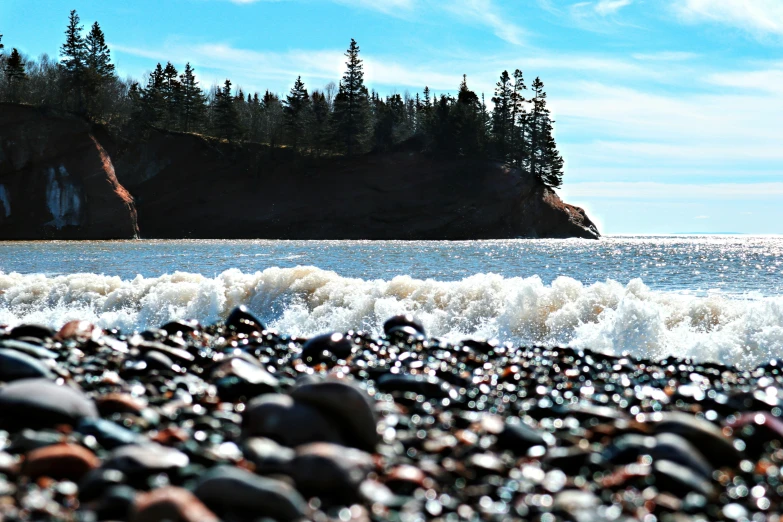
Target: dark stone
{"type": "Point", "coordinates": [241, 320]}
{"type": "Point", "coordinates": [39, 403]}
{"type": "Point", "coordinates": [170, 504]}
{"type": "Point", "coordinates": [518, 437]}
{"type": "Point", "coordinates": [60, 462]}
{"type": "Point", "coordinates": [236, 494]}
{"type": "Point", "coordinates": [347, 403]}
{"type": "Point", "coordinates": [158, 361]}
{"type": "Point", "coordinates": [16, 365]}
{"type": "Point", "coordinates": [108, 434]}
{"type": "Point", "coordinates": [680, 480]}
{"type": "Point", "coordinates": [330, 471]}
{"type": "Point", "coordinates": [268, 456]}
{"type": "Point", "coordinates": [403, 320]}
{"type": "Point", "coordinates": [181, 327]}
{"type": "Point", "coordinates": [703, 434]}
{"type": "Point", "coordinates": [322, 347]}
{"type": "Point", "coordinates": [287, 422]}
{"type": "Point", "coordinates": [33, 350]}
{"type": "Point", "coordinates": [36, 331]}
{"type": "Point", "coordinates": [674, 448]}
{"type": "Point", "coordinates": [239, 377]}
{"type": "Point", "coordinates": [96, 482]}
{"type": "Point", "coordinates": [141, 460]}
{"type": "Point", "coordinates": [116, 503]}
{"type": "Point", "coordinates": [426, 385]}
{"type": "Point", "coordinates": [627, 448]}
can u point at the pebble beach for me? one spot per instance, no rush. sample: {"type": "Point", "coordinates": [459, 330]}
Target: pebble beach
{"type": "Point", "coordinates": [235, 422]}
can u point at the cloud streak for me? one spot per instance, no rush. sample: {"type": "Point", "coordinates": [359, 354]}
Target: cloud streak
{"type": "Point", "coordinates": [486, 13]}
{"type": "Point", "coordinates": [758, 17]}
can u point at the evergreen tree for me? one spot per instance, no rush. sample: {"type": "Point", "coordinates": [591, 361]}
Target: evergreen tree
{"type": "Point", "coordinates": [467, 122]}
{"type": "Point", "coordinates": [319, 129]}
{"type": "Point", "coordinates": [171, 96]}
{"type": "Point", "coordinates": [351, 107]}
{"type": "Point", "coordinates": [226, 117]}
{"type": "Point", "coordinates": [517, 147]}
{"type": "Point", "coordinates": [15, 75]}
{"type": "Point", "coordinates": [546, 163]}
{"type": "Point", "coordinates": [73, 59]}
{"type": "Point", "coordinates": [193, 102]}
{"type": "Point", "coordinates": [502, 124]}
{"type": "Point", "coordinates": [273, 119]}
{"type": "Point", "coordinates": [97, 54]}
{"type": "Point", "coordinates": [297, 112]}
{"type": "Point", "coordinates": [153, 104]}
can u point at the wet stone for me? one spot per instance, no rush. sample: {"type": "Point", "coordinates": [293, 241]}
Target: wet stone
{"type": "Point", "coordinates": [59, 461]}
{"type": "Point", "coordinates": [324, 347]}
{"type": "Point", "coordinates": [35, 331]}
{"type": "Point", "coordinates": [330, 471]}
{"type": "Point", "coordinates": [268, 456]}
{"type": "Point", "coordinates": [239, 377]}
{"type": "Point", "coordinates": [145, 459]}
{"type": "Point", "coordinates": [241, 320]}
{"type": "Point", "coordinates": [170, 504]}
{"type": "Point", "coordinates": [703, 434]}
{"type": "Point", "coordinates": [40, 403]}
{"type": "Point", "coordinates": [236, 494]}
{"type": "Point", "coordinates": [15, 365]}
{"type": "Point", "coordinates": [287, 422]}
{"type": "Point", "coordinates": [403, 321]}
{"type": "Point", "coordinates": [680, 480]}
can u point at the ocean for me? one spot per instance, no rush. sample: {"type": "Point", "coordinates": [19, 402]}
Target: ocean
{"type": "Point", "coordinates": [710, 298]}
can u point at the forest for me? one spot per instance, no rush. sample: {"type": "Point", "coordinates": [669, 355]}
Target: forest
{"type": "Point", "coordinates": [339, 119]}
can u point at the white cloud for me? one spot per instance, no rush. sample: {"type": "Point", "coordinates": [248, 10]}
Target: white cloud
{"type": "Point", "coordinates": [486, 13]}
{"type": "Point", "coordinates": [665, 56]}
{"type": "Point", "coordinates": [608, 7]}
{"type": "Point", "coordinates": [385, 6]}
{"type": "Point", "coordinates": [758, 17]}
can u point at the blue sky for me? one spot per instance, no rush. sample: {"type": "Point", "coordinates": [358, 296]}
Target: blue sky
{"type": "Point", "coordinates": [669, 112]}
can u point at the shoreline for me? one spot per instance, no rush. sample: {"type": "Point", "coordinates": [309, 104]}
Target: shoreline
{"type": "Point", "coordinates": [232, 420]}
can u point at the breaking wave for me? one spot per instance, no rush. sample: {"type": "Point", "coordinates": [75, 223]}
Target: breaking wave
{"type": "Point", "coordinates": [608, 316]}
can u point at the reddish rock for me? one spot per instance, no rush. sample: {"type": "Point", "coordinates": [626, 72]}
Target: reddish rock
{"type": "Point", "coordinates": [78, 330]}
{"type": "Point", "coordinates": [59, 461]}
{"type": "Point", "coordinates": [171, 504]}
{"type": "Point", "coordinates": [118, 403]}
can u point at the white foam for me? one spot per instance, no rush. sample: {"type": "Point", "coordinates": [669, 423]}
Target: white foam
{"type": "Point", "coordinates": [608, 316]}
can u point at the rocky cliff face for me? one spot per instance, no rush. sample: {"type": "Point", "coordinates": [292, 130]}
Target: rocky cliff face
{"type": "Point", "coordinates": [57, 181]}
{"type": "Point", "coordinates": [187, 186]}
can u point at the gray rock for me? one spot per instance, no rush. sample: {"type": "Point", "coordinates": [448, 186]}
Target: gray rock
{"type": "Point", "coordinates": [40, 403]}
{"type": "Point", "coordinates": [330, 471]}
{"type": "Point", "coordinates": [16, 365]}
{"type": "Point", "coordinates": [145, 459]}
{"type": "Point", "coordinates": [267, 455]}
{"type": "Point", "coordinates": [347, 403]}
{"type": "Point", "coordinates": [290, 423]}
{"type": "Point", "coordinates": [679, 480]}
{"type": "Point", "coordinates": [236, 494]}
{"type": "Point", "coordinates": [703, 434]}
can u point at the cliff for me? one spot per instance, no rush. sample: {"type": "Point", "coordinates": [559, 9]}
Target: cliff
{"type": "Point", "coordinates": [57, 181]}
{"type": "Point", "coordinates": [188, 186]}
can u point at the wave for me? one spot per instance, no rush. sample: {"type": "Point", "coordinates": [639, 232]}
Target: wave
{"type": "Point", "coordinates": [609, 316]}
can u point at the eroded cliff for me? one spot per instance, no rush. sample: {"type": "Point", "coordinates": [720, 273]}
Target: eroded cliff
{"type": "Point", "coordinates": [57, 181]}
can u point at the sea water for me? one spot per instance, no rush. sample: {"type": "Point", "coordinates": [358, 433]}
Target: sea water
{"type": "Point", "coordinates": [714, 298]}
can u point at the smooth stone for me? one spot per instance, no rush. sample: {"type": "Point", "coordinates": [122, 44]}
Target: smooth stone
{"type": "Point", "coordinates": [181, 326]}
{"type": "Point", "coordinates": [348, 403]}
{"type": "Point", "coordinates": [15, 365]}
{"type": "Point", "coordinates": [672, 447]}
{"type": "Point", "coordinates": [627, 448]}
{"type": "Point", "coordinates": [237, 377]}
{"type": "Point", "coordinates": [518, 437]}
{"type": "Point", "coordinates": [403, 320]}
{"type": "Point", "coordinates": [78, 331]}
{"type": "Point", "coordinates": [118, 403]}
{"type": "Point", "coordinates": [680, 480]}
{"type": "Point", "coordinates": [716, 447]}
{"type": "Point", "coordinates": [116, 503]}
{"type": "Point", "coordinates": [108, 434]}
{"type": "Point", "coordinates": [319, 349]}
{"type": "Point", "coordinates": [243, 321]}
{"type": "Point", "coordinates": [236, 494]}
{"type": "Point", "coordinates": [32, 330]}
{"type": "Point", "coordinates": [287, 422]}
{"type": "Point", "coordinates": [28, 440]}
{"type": "Point", "coordinates": [330, 471]}
{"type": "Point", "coordinates": [60, 462]}
{"type": "Point", "coordinates": [96, 482]}
{"type": "Point", "coordinates": [40, 403]}
{"type": "Point", "coordinates": [169, 504]}
{"type": "Point", "coordinates": [578, 505]}
{"type": "Point", "coordinates": [33, 350]}
{"type": "Point", "coordinates": [268, 456]}
{"type": "Point", "coordinates": [158, 361]}
{"type": "Point", "coordinates": [145, 459]}
{"type": "Point", "coordinates": [426, 385]}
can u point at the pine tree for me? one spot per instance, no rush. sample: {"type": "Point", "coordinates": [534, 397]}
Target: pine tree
{"type": "Point", "coordinates": [517, 148]}
{"type": "Point", "coordinates": [273, 118]}
{"type": "Point", "coordinates": [97, 53]}
{"type": "Point", "coordinates": [319, 127]}
{"type": "Point", "coordinates": [501, 115]}
{"type": "Point", "coordinates": [352, 110]}
{"type": "Point", "coordinates": [226, 117]}
{"type": "Point", "coordinates": [152, 100]}
{"type": "Point", "coordinates": [545, 162]}
{"type": "Point", "coordinates": [15, 74]}
{"type": "Point", "coordinates": [193, 102]}
{"type": "Point", "coordinates": [73, 59]}
{"type": "Point", "coordinates": [467, 122]}
{"type": "Point", "coordinates": [297, 112]}
{"type": "Point", "coordinates": [171, 93]}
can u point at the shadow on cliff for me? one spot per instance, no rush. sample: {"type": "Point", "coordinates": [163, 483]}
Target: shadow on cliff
{"type": "Point", "coordinates": [189, 186]}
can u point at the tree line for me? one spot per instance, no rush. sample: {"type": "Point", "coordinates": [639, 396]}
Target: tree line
{"type": "Point", "coordinates": [343, 118]}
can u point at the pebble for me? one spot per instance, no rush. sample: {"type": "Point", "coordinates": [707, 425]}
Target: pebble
{"type": "Point", "coordinates": [234, 422]}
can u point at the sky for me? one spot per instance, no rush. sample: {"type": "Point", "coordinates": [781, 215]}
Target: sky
{"type": "Point", "coordinates": [669, 113]}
